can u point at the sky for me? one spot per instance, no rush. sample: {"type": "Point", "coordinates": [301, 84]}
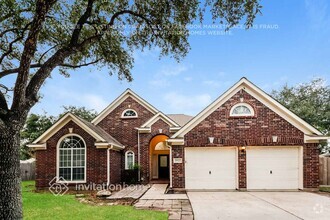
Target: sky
{"type": "Point", "coordinates": [289, 44]}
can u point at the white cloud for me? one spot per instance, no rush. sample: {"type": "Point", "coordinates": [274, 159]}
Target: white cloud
{"type": "Point", "coordinates": [188, 79]}
{"type": "Point", "coordinates": [281, 81]}
{"type": "Point", "coordinates": [221, 74]}
{"type": "Point", "coordinates": [94, 102]}
{"type": "Point", "coordinates": [212, 83]}
{"type": "Point", "coordinates": [175, 70]}
{"type": "Point", "coordinates": [166, 74]}
{"type": "Point", "coordinates": [216, 83]}
{"type": "Point", "coordinates": [187, 104]}
{"type": "Point", "coordinates": [159, 83]}
{"type": "Point", "coordinates": [88, 100]}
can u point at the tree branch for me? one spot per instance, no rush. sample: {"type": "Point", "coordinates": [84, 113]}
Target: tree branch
{"type": "Point", "coordinates": [5, 88]}
{"type": "Point", "coordinates": [3, 104]}
{"type": "Point", "coordinates": [10, 49]}
{"type": "Point", "coordinates": [7, 30]}
{"type": "Point", "coordinates": [82, 20]}
{"type": "Point", "coordinates": [15, 70]}
{"type": "Point", "coordinates": [58, 58]}
{"type": "Point", "coordinates": [80, 65]}
{"type": "Point", "coordinates": [42, 55]}
{"type": "Point", "coordinates": [5, 17]}
{"type": "Point", "coordinates": [30, 45]}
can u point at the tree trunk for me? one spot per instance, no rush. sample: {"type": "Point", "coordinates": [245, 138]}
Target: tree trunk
{"type": "Point", "coordinates": [10, 181]}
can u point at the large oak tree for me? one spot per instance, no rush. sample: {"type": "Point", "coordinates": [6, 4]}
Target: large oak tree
{"type": "Point", "coordinates": [38, 36]}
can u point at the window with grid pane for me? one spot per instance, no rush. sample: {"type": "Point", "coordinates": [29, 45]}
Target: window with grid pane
{"type": "Point", "coordinates": [129, 160]}
{"type": "Point", "coordinates": [242, 109]}
{"type": "Point", "coordinates": [72, 162]}
{"type": "Point", "coordinates": [129, 113]}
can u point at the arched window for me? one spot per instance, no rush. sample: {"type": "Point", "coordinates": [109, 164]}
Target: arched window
{"type": "Point", "coordinates": [72, 158]}
{"type": "Point", "coordinates": [129, 160]}
{"type": "Point", "coordinates": [242, 109]}
{"type": "Point", "coordinates": [129, 113]}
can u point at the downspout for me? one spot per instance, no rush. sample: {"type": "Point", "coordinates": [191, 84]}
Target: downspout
{"type": "Point", "coordinates": [170, 166]}
{"type": "Point", "coordinates": [138, 137]}
{"type": "Point", "coordinates": [170, 146]}
{"type": "Point", "coordinates": [108, 167]}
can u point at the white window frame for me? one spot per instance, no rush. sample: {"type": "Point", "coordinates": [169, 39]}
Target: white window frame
{"type": "Point", "coordinates": [58, 160]}
{"type": "Point", "coordinates": [239, 115]}
{"type": "Point", "coordinates": [126, 161]}
{"type": "Point", "coordinates": [129, 109]}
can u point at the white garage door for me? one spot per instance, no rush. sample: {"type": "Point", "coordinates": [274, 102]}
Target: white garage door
{"type": "Point", "coordinates": [210, 168]}
{"type": "Point", "coordinates": [272, 167]}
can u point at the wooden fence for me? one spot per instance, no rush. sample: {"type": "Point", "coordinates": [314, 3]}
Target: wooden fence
{"type": "Point", "coordinates": [28, 169]}
{"type": "Point", "coordinates": [324, 170]}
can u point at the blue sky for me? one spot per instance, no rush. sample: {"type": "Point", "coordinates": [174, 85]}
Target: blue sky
{"type": "Point", "coordinates": [290, 44]}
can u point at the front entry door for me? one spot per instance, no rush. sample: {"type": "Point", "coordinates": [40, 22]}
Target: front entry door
{"type": "Point", "coordinates": [163, 166]}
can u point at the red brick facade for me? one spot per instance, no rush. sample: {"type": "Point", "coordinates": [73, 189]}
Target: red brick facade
{"type": "Point", "coordinates": [96, 164]}
{"type": "Point", "coordinates": [228, 131]}
{"type": "Point", "coordinates": [248, 131]}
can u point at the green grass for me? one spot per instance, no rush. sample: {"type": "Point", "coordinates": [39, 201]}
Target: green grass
{"type": "Point", "coordinates": [324, 188]}
{"type": "Point", "coordinates": [47, 206]}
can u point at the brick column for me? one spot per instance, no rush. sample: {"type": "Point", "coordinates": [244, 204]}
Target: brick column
{"type": "Point", "coordinates": [242, 169]}
{"type": "Point", "coordinates": [178, 168]}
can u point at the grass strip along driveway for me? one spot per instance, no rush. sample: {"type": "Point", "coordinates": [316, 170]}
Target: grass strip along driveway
{"type": "Point", "coordinates": [45, 205]}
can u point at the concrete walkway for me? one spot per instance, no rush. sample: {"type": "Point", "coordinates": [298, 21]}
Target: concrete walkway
{"type": "Point", "coordinates": [259, 205]}
{"type": "Point", "coordinates": [130, 192]}
{"type": "Point", "coordinates": [177, 205]}
{"type": "Point", "coordinates": [157, 191]}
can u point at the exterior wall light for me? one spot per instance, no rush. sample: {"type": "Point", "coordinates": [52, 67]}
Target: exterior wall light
{"type": "Point", "coordinates": [211, 139]}
{"type": "Point", "coordinates": [274, 138]}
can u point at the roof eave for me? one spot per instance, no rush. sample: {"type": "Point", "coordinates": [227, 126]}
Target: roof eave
{"type": "Point", "coordinates": [315, 138]}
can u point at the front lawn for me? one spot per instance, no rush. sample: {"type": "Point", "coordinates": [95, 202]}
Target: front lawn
{"type": "Point", "coordinates": [47, 206]}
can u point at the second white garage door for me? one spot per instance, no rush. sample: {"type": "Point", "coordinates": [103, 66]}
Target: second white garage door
{"type": "Point", "coordinates": [272, 167]}
{"type": "Point", "coordinates": [210, 168]}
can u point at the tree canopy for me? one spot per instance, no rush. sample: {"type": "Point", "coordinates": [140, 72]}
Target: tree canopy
{"type": "Point", "coordinates": [310, 101]}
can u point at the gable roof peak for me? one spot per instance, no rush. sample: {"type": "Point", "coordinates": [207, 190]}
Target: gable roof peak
{"type": "Point", "coordinates": [261, 96]}
{"type": "Point", "coordinates": [98, 133]}
{"type": "Point", "coordinates": [162, 116]}
{"type": "Point", "coordinates": [127, 93]}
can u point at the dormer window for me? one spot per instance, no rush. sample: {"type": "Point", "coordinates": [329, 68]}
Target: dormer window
{"type": "Point", "coordinates": [241, 109]}
{"type": "Point", "coordinates": [129, 113]}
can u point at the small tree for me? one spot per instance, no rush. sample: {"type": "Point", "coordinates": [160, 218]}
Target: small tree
{"type": "Point", "coordinates": [311, 102]}
{"type": "Point", "coordinates": [36, 124]}
{"type": "Point", "coordinates": [82, 112]}
{"type": "Point", "coordinates": [41, 35]}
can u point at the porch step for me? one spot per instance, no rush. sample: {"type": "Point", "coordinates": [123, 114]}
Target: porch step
{"type": "Point", "coordinates": [130, 192]}
{"type": "Point", "coordinates": [158, 191]}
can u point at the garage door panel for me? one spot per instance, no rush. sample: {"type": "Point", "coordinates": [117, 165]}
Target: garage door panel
{"type": "Point", "coordinates": [210, 168]}
{"type": "Point", "coordinates": [273, 168]}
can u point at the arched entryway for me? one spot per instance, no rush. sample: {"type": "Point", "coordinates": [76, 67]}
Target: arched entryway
{"type": "Point", "coordinates": [159, 158]}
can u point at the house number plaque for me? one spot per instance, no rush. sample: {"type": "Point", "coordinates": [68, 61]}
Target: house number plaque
{"type": "Point", "coordinates": [177, 160]}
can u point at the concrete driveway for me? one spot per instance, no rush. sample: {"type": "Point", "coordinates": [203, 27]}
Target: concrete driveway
{"type": "Point", "coordinates": [259, 205]}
